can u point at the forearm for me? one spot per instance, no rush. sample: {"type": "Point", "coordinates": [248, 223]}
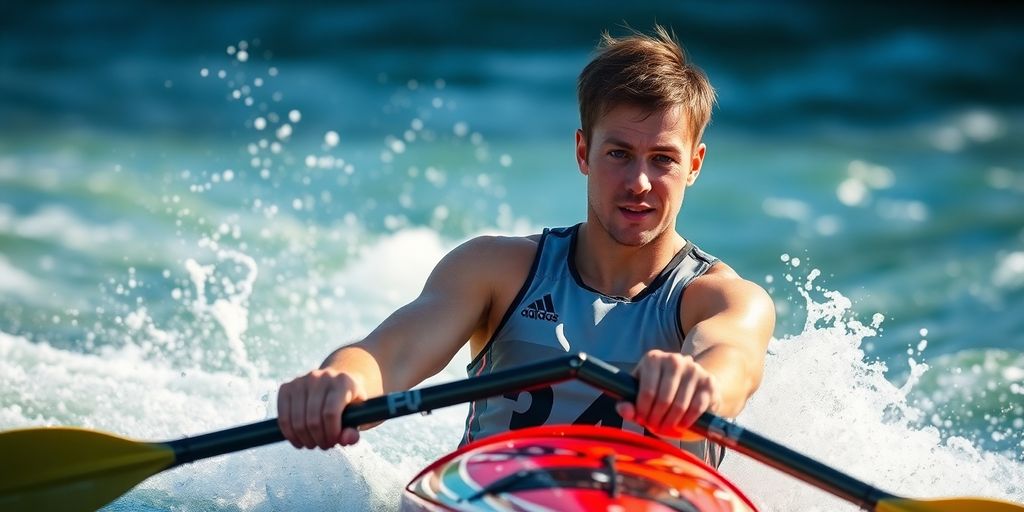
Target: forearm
{"type": "Point", "coordinates": [736, 377]}
{"type": "Point", "coordinates": [388, 359]}
{"type": "Point", "coordinates": [359, 362]}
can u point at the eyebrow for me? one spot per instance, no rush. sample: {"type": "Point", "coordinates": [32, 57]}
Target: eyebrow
{"type": "Point", "coordinates": [621, 143]}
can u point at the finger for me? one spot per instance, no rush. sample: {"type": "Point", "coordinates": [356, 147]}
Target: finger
{"type": "Point", "coordinates": [349, 436]}
{"type": "Point", "coordinates": [678, 410]}
{"type": "Point", "coordinates": [714, 397]}
{"type": "Point", "coordinates": [702, 401]}
{"type": "Point", "coordinates": [626, 410]}
{"type": "Point", "coordinates": [314, 412]}
{"type": "Point", "coordinates": [334, 404]}
{"type": "Point", "coordinates": [648, 374]}
{"type": "Point", "coordinates": [298, 415]}
{"type": "Point", "coordinates": [668, 386]}
{"type": "Point", "coordinates": [682, 401]}
{"type": "Point", "coordinates": [284, 420]}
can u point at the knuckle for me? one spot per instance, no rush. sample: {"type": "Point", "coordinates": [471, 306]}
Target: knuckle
{"type": "Point", "coordinates": [313, 421]}
{"type": "Point", "coordinates": [645, 394]}
{"type": "Point", "coordinates": [332, 408]}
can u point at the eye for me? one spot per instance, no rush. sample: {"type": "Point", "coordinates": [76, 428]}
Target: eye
{"type": "Point", "coordinates": [664, 159]}
{"type": "Point", "coordinates": [617, 153]}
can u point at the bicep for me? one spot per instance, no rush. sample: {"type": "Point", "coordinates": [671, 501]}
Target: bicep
{"type": "Point", "coordinates": [420, 338]}
{"type": "Point", "coordinates": [734, 331]}
{"type": "Point", "coordinates": [747, 325]}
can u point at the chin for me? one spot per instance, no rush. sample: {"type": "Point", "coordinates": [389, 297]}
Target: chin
{"type": "Point", "coordinates": [633, 238]}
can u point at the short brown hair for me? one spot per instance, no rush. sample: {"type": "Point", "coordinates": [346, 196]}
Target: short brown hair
{"type": "Point", "coordinates": [651, 72]}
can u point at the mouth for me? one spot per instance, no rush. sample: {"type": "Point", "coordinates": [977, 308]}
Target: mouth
{"type": "Point", "coordinates": [635, 212]}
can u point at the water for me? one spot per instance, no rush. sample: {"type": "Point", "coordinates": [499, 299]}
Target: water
{"type": "Point", "coordinates": [170, 253]}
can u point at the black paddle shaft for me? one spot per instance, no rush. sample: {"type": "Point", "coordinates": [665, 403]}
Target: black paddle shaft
{"type": "Point", "coordinates": [595, 372]}
{"type": "Point", "coordinates": [423, 400]}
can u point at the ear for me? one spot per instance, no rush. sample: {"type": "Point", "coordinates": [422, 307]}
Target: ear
{"type": "Point", "coordinates": [581, 153]}
{"type": "Point", "coordinates": [696, 161]}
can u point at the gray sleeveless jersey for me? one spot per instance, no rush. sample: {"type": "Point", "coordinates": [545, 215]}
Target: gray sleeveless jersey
{"type": "Point", "coordinates": [555, 313]}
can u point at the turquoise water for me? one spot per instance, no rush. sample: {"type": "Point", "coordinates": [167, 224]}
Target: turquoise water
{"type": "Point", "coordinates": [169, 252]}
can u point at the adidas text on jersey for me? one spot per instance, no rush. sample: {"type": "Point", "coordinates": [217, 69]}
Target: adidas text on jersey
{"type": "Point", "coordinates": [541, 309]}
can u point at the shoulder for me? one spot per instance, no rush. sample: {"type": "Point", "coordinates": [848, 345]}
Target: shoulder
{"type": "Point", "coordinates": [722, 290]}
{"type": "Point", "coordinates": [481, 256]}
{"type": "Point", "coordinates": [492, 248]}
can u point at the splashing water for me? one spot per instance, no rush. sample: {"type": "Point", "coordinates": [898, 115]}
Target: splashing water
{"type": "Point", "coordinates": [823, 397]}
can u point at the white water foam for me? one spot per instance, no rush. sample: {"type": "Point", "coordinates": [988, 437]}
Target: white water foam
{"type": "Point", "coordinates": [824, 398]}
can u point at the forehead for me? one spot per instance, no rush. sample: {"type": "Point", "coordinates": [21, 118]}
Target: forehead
{"type": "Point", "coordinates": [636, 124]}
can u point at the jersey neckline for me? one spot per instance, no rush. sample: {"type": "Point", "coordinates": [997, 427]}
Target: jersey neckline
{"type": "Point", "coordinates": [651, 288]}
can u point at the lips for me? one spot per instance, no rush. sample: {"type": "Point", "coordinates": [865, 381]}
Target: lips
{"type": "Point", "coordinates": [636, 212]}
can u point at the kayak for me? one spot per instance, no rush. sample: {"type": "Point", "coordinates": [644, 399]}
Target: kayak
{"type": "Point", "coordinates": [572, 468]}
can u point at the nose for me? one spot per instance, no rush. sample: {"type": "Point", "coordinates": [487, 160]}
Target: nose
{"type": "Point", "coordinates": [637, 180]}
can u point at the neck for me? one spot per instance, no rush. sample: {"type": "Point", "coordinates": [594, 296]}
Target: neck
{"type": "Point", "coordinates": [619, 270]}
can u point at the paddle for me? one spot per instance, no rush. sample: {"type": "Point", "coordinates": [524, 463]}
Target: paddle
{"type": "Point", "coordinates": [67, 469]}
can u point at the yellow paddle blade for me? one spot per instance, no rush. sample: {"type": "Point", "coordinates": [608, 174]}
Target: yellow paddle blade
{"type": "Point", "coordinates": [70, 469]}
{"type": "Point", "coordinates": [948, 505]}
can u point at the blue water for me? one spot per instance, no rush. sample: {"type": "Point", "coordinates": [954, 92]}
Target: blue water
{"type": "Point", "coordinates": [157, 225]}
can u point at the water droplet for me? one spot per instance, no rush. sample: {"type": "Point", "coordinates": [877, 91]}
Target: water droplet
{"type": "Point", "coordinates": [284, 131]}
{"type": "Point", "coordinates": [331, 138]}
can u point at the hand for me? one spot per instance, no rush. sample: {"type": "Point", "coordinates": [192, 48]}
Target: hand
{"type": "Point", "coordinates": [674, 391]}
{"type": "Point", "coordinates": [309, 409]}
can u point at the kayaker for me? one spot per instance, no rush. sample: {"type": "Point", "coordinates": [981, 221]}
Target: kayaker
{"type": "Point", "coordinates": [612, 286]}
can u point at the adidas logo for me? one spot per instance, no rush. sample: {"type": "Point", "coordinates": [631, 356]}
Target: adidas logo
{"type": "Point", "coordinates": [541, 309]}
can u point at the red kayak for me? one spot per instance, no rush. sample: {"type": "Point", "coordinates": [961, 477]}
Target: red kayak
{"type": "Point", "coordinates": [572, 468]}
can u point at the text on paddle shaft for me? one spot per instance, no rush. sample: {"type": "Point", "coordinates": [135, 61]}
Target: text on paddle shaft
{"type": "Point", "coordinates": [405, 401]}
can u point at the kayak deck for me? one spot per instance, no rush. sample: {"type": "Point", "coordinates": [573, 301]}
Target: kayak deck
{"type": "Point", "coordinates": [572, 468]}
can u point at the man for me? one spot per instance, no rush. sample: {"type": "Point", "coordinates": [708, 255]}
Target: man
{"type": "Point", "coordinates": [612, 286]}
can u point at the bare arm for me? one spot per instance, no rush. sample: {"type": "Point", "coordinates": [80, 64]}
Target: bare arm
{"type": "Point", "coordinates": [729, 337]}
{"type": "Point", "coordinates": [420, 338]}
{"type": "Point", "coordinates": [414, 343]}
{"type": "Point", "coordinates": [728, 322]}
